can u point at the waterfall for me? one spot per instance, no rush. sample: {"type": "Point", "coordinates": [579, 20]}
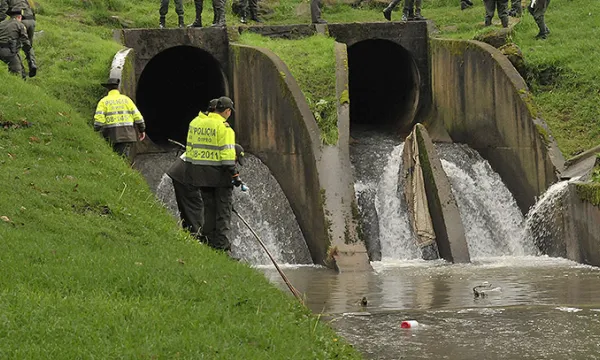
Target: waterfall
{"type": "Point", "coordinates": [267, 211]}
{"type": "Point", "coordinates": [377, 161]}
{"type": "Point", "coordinates": [494, 225]}
{"type": "Point", "coordinates": [544, 218]}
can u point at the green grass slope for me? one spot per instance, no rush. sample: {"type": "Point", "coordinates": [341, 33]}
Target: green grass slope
{"type": "Point", "coordinates": [92, 265]}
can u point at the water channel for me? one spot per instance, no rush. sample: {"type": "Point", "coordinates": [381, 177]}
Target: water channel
{"type": "Point", "coordinates": [536, 307]}
{"type": "Point", "coordinates": [539, 308]}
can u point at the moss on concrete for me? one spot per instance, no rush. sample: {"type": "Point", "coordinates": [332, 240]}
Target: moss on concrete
{"type": "Point", "coordinates": [589, 192]}
{"type": "Point", "coordinates": [543, 133]}
{"type": "Point", "coordinates": [345, 97]}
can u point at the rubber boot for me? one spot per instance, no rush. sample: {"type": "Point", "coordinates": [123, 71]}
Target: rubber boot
{"type": "Point", "coordinates": [254, 17]}
{"type": "Point", "coordinates": [488, 22]}
{"type": "Point", "coordinates": [418, 15]}
{"type": "Point", "coordinates": [219, 20]}
{"type": "Point", "coordinates": [196, 24]}
{"type": "Point", "coordinates": [504, 21]}
{"type": "Point", "coordinates": [404, 16]}
{"type": "Point", "coordinates": [161, 22]}
{"type": "Point", "coordinates": [387, 13]}
{"type": "Point", "coordinates": [181, 23]}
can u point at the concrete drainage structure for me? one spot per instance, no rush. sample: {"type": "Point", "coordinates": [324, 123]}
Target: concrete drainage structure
{"type": "Point", "coordinates": [465, 91]}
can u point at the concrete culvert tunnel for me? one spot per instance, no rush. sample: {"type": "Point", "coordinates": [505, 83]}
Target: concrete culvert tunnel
{"type": "Point", "coordinates": [384, 85]}
{"type": "Point", "coordinates": [174, 86]}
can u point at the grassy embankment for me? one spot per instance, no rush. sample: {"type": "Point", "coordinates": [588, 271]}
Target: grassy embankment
{"type": "Point", "coordinates": [92, 265]}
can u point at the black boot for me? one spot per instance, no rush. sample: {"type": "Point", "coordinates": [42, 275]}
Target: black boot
{"type": "Point", "coordinates": [243, 18]}
{"type": "Point", "coordinates": [404, 16]}
{"type": "Point", "coordinates": [196, 23]}
{"type": "Point", "coordinates": [418, 15]}
{"type": "Point", "coordinates": [219, 20]}
{"type": "Point", "coordinates": [488, 22]}
{"type": "Point", "coordinates": [181, 23]}
{"type": "Point", "coordinates": [161, 22]}
{"type": "Point", "coordinates": [254, 17]}
{"type": "Point", "coordinates": [387, 13]}
{"type": "Point", "coordinates": [504, 21]}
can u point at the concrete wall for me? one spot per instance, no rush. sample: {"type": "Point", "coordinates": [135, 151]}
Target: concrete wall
{"type": "Point", "coordinates": [413, 36]}
{"type": "Point", "coordinates": [333, 163]}
{"type": "Point", "coordinates": [448, 227]}
{"type": "Point", "coordinates": [149, 42]}
{"type": "Point", "coordinates": [580, 237]}
{"type": "Point", "coordinates": [274, 122]}
{"type": "Point", "coordinates": [483, 101]}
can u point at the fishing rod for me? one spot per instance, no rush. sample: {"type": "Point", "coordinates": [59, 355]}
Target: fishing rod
{"type": "Point", "coordinates": [295, 292]}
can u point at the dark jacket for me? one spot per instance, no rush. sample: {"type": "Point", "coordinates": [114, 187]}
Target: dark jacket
{"type": "Point", "coordinates": [13, 35]}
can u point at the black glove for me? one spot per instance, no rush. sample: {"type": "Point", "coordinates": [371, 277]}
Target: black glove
{"type": "Point", "coordinates": [32, 71]}
{"type": "Point", "coordinates": [236, 181]}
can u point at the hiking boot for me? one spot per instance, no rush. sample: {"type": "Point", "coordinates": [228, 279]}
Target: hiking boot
{"type": "Point", "coordinates": [161, 22]}
{"type": "Point", "coordinates": [464, 5]}
{"type": "Point", "coordinates": [418, 15]}
{"type": "Point", "coordinates": [255, 18]}
{"type": "Point", "coordinates": [196, 24]}
{"type": "Point", "coordinates": [181, 23]}
{"type": "Point", "coordinates": [404, 16]}
{"type": "Point", "coordinates": [504, 21]}
{"type": "Point", "coordinates": [488, 22]}
{"type": "Point", "coordinates": [541, 36]}
{"type": "Point", "coordinates": [387, 13]}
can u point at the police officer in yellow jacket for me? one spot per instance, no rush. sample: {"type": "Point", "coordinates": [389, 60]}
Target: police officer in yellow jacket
{"type": "Point", "coordinates": [188, 197]}
{"type": "Point", "coordinates": [210, 165]}
{"type": "Point", "coordinates": [13, 38]}
{"type": "Point", "coordinates": [117, 118]}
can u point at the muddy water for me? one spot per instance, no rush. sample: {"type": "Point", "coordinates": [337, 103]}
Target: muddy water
{"type": "Point", "coordinates": [536, 308]}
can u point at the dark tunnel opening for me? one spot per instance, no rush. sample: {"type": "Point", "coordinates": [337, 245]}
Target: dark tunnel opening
{"type": "Point", "coordinates": [174, 86]}
{"type": "Point", "coordinates": [384, 86]}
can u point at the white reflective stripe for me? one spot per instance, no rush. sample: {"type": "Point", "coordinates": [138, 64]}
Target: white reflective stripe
{"type": "Point", "coordinates": [139, 121]}
{"type": "Point", "coordinates": [117, 125]}
{"type": "Point", "coordinates": [202, 146]}
{"type": "Point", "coordinates": [109, 113]}
{"type": "Point", "coordinates": [97, 123]}
{"type": "Point", "coordinates": [228, 162]}
{"type": "Point", "coordinates": [99, 112]}
{"type": "Point", "coordinates": [228, 146]}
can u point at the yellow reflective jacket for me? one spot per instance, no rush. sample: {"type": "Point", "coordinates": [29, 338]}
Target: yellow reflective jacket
{"type": "Point", "coordinates": [210, 152]}
{"type": "Point", "coordinates": [117, 117]}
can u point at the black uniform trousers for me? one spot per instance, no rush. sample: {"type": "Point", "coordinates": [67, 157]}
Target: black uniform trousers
{"type": "Point", "coordinates": [191, 207]}
{"type": "Point", "coordinates": [13, 60]}
{"type": "Point", "coordinates": [490, 8]}
{"type": "Point", "coordinates": [217, 216]}
{"type": "Point", "coordinates": [164, 7]}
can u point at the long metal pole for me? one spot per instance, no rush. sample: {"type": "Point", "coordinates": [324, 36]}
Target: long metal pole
{"type": "Point", "coordinates": [285, 279]}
